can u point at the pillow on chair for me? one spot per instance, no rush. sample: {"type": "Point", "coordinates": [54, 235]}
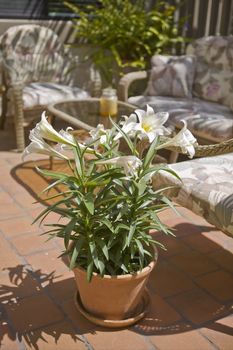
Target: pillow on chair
{"type": "Point", "coordinates": [171, 76]}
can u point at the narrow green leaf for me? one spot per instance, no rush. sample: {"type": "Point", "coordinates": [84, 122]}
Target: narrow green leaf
{"type": "Point", "coordinates": [68, 230]}
{"type": "Point", "coordinates": [141, 185]}
{"type": "Point", "coordinates": [107, 223]}
{"type": "Point", "coordinates": [103, 247]}
{"type": "Point", "coordinates": [130, 234]}
{"type": "Point", "coordinates": [125, 136]}
{"type": "Point", "coordinates": [89, 202]}
{"type": "Point", "coordinates": [78, 246]}
{"type": "Point", "coordinates": [170, 204]}
{"type": "Point", "coordinates": [90, 270]}
{"type": "Point", "coordinates": [52, 174]}
{"type": "Point", "coordinates": [94, 254]}
{"type": "Point", "coordinates": [140, 247]}
{"type": "Point", "coordinates": [124, 268]}
{"type": "Point", "coordinates": [150, 153]}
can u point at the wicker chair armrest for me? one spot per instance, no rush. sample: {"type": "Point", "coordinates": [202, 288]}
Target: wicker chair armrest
{"type": "Point", "coordinates": [126, 81]}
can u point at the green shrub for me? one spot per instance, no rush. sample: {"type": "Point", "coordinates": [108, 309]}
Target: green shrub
{"type": "Point", "coordinates": [123, 35]}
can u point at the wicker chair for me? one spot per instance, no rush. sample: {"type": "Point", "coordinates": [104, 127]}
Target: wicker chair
{"type": "Point", "coordinates": [207, 185]}
{"type": "Point", "coordinates": [196, 87]}
{"type": "Point", "coordinates": [37, 70]}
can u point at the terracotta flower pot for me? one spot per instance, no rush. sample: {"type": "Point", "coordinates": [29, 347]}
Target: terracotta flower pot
{"type": "Point", "coordinates": [112, 297]}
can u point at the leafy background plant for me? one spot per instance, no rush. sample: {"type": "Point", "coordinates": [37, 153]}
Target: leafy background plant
{"type": "Point", "coordinates": [123, 35]}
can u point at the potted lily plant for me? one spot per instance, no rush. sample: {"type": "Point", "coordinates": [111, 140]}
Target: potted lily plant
{"type": "Point", "coordinates": [110, 206]}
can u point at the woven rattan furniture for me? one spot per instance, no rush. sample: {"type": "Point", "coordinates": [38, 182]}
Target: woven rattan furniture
{"type": "Point", "coordinates": [205, 75]}
{"type": "Point", "coordinates": [84, 113]}
{"type": "Point", "coordinates": [206, 185]}
{"type": "Point", "coordinates": [37, 70]}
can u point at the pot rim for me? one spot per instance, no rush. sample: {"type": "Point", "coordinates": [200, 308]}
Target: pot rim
{"type": "Point", "coordinates": [135, 275]}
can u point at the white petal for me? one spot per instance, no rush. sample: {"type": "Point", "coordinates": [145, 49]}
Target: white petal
{"type": "Point", "coordinates": [149, 110]}
{"type": "Point", "coordinates": [162, 117]}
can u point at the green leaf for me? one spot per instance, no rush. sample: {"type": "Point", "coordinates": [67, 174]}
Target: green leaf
{"type": "Point", "coordinates": [52, 174]}
{"type": "Point", "coordinates": [94, 255]}
{"type": "Point", "coordinates": [68, 230]}
{"type": "Point", "coordinates": [150, 153]}
{"type": "Point", "coordinates": [140, 247]}
{"type": "Point", "coordinates": [90, 270]}
{"type": "Point", "coordinates": [170, 204]}
{"type": "Point", "coordinates": [103, 247]}
{"type": "Point", "coordinates": [56, 209]}
{"type": "Point", "coordinates": [78, 246]}
{"type": "Point", "coordinates": [89, 202]}
{"type": "Point", "coordinates": [124, 268]}
{"type": "Point", "coordinates": [107, 223]}
{"type": "Point", "coordinates": [101, 266]}
{"type": "Point", "coordinates": [141, 185]}
{"type": "Point", "coordinates": [121, 226]}
{"type": "Point", "coordinates": [125, 136]}
{"type": "Point", "coordinates": [130, 234]}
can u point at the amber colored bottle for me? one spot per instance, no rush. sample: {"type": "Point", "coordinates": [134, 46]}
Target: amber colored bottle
{"type": "Point", "coordinates": [108, 103]}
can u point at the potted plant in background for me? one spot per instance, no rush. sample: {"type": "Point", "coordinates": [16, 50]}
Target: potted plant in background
{"type": "Point", "coordinates": [110, 205]}
{"type": "Point", "coordinates": [123, 35]}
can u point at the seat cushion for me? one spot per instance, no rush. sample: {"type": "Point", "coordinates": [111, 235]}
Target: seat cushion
{"type": "Point", "coordinates": [39, 94]}
{"type": "Point", "coordinates": [208, 120]}
{"type": "Point", "coordinates": [206, 188]}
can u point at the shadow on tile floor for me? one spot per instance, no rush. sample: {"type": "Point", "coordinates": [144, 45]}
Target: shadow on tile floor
{"type": "Point", "coordinates": [31, 309]}
{"type": "Point", "coordinates": [189, 289]}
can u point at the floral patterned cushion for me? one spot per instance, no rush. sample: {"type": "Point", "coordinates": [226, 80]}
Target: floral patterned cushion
{"type": "Point", "coordinates": [205, 189]}
{"type": "Point", "coordinates": [213, 79]}
{"type": "Point", "coordinates": [171, 76]}
{"type": "Point", "coordinates": [214, 50]}
{"type": "Point", "coordinates": [207, 120]}
{"type": "Point", "coordinates": [34, 53]}
{"type": "Point", "coordinates": [210, 85]}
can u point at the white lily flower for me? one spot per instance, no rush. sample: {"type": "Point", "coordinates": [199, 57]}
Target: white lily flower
{"type": "Point", "coordinates": [45, 130]}
{"type": "Point", "coordinates": [38, 145]}
{"type": "Point", "coordinates": [129, 126]}
{"type": "Point", "coordinates": [99, 133]}
{"type": "Point", "coordinates": [129, 163]}
{"type": "Point", "coordinates": [151, 123]}
{"type": "Point", "coordinates": [183, 139]}
{"type": "Point", "coordinates": [147, 123]}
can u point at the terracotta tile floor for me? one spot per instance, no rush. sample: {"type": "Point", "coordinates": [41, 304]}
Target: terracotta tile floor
{"type": "Point", "coordinates": [191, 288]}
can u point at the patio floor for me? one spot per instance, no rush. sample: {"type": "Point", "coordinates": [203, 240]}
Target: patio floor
{"type": "Point", "coordinates": [191, 288]}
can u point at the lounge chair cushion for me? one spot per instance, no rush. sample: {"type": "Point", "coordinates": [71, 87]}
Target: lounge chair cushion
{"type": "Point", "coordinates": [40, 94]}
{"type": "Point", "coordinates": [206, 188]}
{"type": "Point", "coordinates": [205, 119]}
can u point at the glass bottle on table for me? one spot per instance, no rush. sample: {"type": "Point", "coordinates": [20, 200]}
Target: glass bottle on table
{"type": "Point", "coordinates": [108, 106]}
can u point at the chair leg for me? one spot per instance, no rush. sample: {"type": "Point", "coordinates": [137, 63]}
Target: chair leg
{"type": "Point", "coordinates": [173, 157]}
{"type": "Point", "coordinates": [4, 110]}
{"type": "Point", "coordinates": [19, 116]}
